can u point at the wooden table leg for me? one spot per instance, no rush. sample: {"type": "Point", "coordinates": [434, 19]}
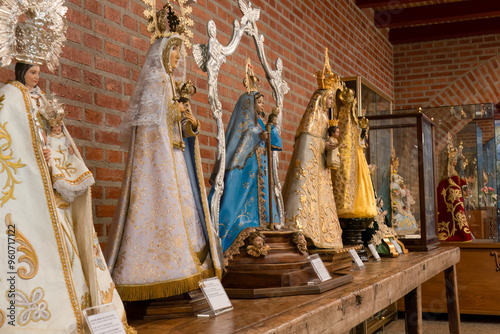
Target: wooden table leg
{"type": "Point", "coordinates": [413, 311]}
{"type": "Point", "coordinates": [450, 280]}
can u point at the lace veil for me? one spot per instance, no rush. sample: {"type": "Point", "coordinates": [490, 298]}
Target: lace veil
{"type": "Point", "coordinates": [153, 90]}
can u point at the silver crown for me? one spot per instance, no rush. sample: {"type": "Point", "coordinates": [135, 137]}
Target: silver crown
{"type": "Point", "coordinates": [37, 40]}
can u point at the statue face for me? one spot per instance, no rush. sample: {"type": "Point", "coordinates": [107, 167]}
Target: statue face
{"type": "Point", "coordinates": [329, 101]}
{"type": "Point", "coordinates": [183, 107]}
{"type": "Point", "coordinates": [57, 130]}
{"type": "Point", "coordinates": [258, 242]}
{"type": "Point", "coordinates": [31, 77]}
{"type": "Point", "coordinates": [175, 55]}
{"type": "Point", "coordinates": [259, 105]}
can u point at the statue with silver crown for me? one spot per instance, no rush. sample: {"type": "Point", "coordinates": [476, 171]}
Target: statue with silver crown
{"type": "Point", "coordinates": [162, 242]}
{"type": "Point", "coordinates": [248, 201]}
{"type": "Point", "coordinates": [55, 268]}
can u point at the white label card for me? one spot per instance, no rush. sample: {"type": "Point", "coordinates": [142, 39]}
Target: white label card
{"type": "Point", "coordinates": [356, 259]}
{"type": "Point", "coordinates": [216, 295]}
{"type": "Point", "coordinates": [106, 323]}
{"type": "Point", "coordinates": [398, 247]}
{"type": "Point", "coordinates": [319, 268]}
{"type": "Point", "coordinates": [374, 252]}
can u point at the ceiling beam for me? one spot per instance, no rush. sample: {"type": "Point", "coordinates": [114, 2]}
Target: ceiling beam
{"type": "Point", "coordinates": [455, 11]}
{"type": "Point", "coordinates": [445, 31]}
{"type": "Point", "coordinates": [383, 3]}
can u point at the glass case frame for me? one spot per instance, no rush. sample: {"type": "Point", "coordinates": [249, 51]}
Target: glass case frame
{"type": "Point", "coordinates": [427, 200]}
{"type": "Point", "coordinates": [369, 99]}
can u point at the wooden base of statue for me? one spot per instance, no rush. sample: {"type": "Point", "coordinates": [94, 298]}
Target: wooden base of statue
{"type": "Point", "coordinates": [284, 271]}
{"type": "Point", "coordinates": [352, 229]}
{"type": "Point", "coordinates": [180, 306]}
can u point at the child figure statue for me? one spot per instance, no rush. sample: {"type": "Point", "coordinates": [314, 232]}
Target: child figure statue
{"type": "Point", "coordinates": [333, 156]}
{"type": "Point", "coordinates": [70, 177]}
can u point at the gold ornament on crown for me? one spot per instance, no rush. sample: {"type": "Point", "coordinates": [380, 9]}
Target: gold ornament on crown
{"type": "Point", "coordinates": [251, 82]}
{"type": "Point", "coordinates": [333, 122]}
{"type": "Point", "coordinates": [451, 151]}
{"type": "Point", "coordinates": [326, 78]}
{"type": "Point", "coordinates": [39, 38]}
{"type": "Point", "coordinates": [364, 123]}
{"type": "Point", "coordinates": [186, 89]}
{"type": "Point", "coordinates": [54, 112]}
{"type": "Point", "coordinates": [166, 22]}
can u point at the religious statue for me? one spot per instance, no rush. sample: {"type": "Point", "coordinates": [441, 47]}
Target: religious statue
{"type": "Point", "coordinates": [399, 206]}
{"type": "Point", "coordinates": [452, 221]}
{"type": "Point", "coordinates": [162, 242]}
{"type": "Point", "coordinates": [55, 268]}
{"type": "Point", "coordinates": [70, 176]}
{"type": "Point", "coordinates": [308, 198]}
{"type": "Point", "coordinates": [352, 185]}
{"type": "Point", "coordinates": [244, 205]}
{"type": "Point", "coordinates": [333, 156]}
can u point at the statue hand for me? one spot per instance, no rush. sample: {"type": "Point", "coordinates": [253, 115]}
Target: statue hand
{"type": "Point", "coordinates": [190, 117]}
{"type": "Point", "coordinates": [46, 154]}
{"type": "Point", "coordinates": [329, 146]}
{"type": "Point", "coordinates": [70, 150]}
{"type": "Point", "coordinates": [264, 135]}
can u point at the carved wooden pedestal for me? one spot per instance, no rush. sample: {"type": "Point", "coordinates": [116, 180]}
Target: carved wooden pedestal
{"type": "Point", "coordinates": [284, 271]}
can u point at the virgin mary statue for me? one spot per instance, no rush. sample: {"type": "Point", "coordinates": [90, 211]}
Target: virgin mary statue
{"type": "Point", "coordinates": [52, 267]}
{"type": "Point", "coordinates": [307, 193]}
{"type": "Point", "coordinates": [244, 206]}
{"type": "Point", "coordinates": [162, 242]}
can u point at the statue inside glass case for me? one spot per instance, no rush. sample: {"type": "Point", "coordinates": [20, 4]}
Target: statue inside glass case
{"type": "Point", "coordinates": [307, 193]}
{"type": "Point", "coordinates": [452, 220]}
{"type": "Point", "coordinates": [244, 206]}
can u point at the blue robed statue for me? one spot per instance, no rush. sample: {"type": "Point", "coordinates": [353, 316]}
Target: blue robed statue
{"type": "Point", "coordinates": [244, 206]}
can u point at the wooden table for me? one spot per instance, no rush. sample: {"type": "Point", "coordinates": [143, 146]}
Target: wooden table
{"type": "Point", "coordinates": [338, 310]}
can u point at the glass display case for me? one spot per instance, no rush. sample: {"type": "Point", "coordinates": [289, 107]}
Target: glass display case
{"type": "Point", "coordinates": [475, 130]}
{"type": "Point", "coordinates": [370, 100]}
{"type": "Point", "coordinates": [401, 146]}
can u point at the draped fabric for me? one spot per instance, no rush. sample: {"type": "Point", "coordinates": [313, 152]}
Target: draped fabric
{"type": "Point", "coordinates": [162, 242]}
{"type": "Point", "coordinates": [244, 205]}
{"type": "Point", "coordinates": [55, 267]}
{"type": "Point", "coordinates": [452, 221]}
{"type": "Point", "coordinates": [307, 192]}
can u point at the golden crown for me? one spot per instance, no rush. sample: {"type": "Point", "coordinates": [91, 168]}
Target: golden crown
{"type": "Point", "coordinates": [251, 82]}
{"type": "Point", "coordinates": [37, 40]}
{"type": "Point", "coordinates": [167, 22]}
{"type": "Point", "coordinates": [364, 123]}
{"type": "Point", "coordinates": [333, 122]}
{"type": "Point", "coordinates": [187, 89]}
{"type": "Point", "coordinates": [451, 151]}
{"type": "Point", "coordinates": [54, 112]}
{"type": "Point", "coordinates": [326, 78]}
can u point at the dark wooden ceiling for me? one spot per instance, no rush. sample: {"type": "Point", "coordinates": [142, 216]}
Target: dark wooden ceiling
{"type": "Point", "coordinates": [416, 20]}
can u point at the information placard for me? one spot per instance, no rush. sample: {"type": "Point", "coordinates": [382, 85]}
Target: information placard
{"type": "Point", "coordinates": [319, 267]}
{"type": "Point", "coordinates": [216, 296]}
{"type": "Point", "coordinates": [355, 257]}
{"type": "Point", "coordinates": [397, 246]}
{"type": "Point", "coordinates": [103, 319]}
{"type": "Point", "coordinates": [374, 252]}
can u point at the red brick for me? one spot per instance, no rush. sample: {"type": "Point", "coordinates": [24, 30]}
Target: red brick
{"type": "Point", "coordinates": [70, 72]}
{"type": "Point", "coordinates": [111, 14]}
{"type": "Point", "coordinates": [76, 55]}
{"type": "Point", "coordinates": [105, 210]}
{"type": "Point", "coordinates": [106, 137]}
{"type": "Point", "coordinates": [74, 35]}
{"type": "Point", "coordinates": [112, 32]}
{"type": "Point", "coordinates": [114, 156]}
{"type": "Point", "coordinates": [79, 18]}
{"type": "Point", "coordinates": [92, 79]}
{"type": "Point", "coordinates": [129, 22]}
{"type": "Point", "coordinates": [113, 120]}
{"type": "Point", "coordinates": [112, 49]}
{"type": "Point", "coordinates": [112, 67]}
{"type": "Point", "coordinates": [92, 42]}
{"type": "Point", "coordinates": [93, 6]}
{"type": "Point", "coordinates": [96, 191]}
{"type": "Point", "coordinates": [121, 3]}
{"type": "Point", "coordinates": [130, 56]}
{"type": "Point", "coordinates": [71, 92]}
{"type": "Point", "coordinates": [110, 102]}
{"type": "Point", "coordinates": [113, 85]}
{"type": "Point", "coordinates": [137, 9]}
{"type": "Point", "coordinates": [108, 174]}
{"type": "Point", "coordinates": [140, 43]}
{"type": "Point", "coordinates": [113, 192]}
{"type": "Point", "coordinates": [92, 116]}
{"type": "Point", "coordinates": [73, 112]}
{"type": "Point", "coordinates": [94, 153]}
{"type": "Point", "coordinates": [78, 132]}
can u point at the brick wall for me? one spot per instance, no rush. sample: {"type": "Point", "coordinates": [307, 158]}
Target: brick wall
{"type": "Point", "coordinates": [107, 42]}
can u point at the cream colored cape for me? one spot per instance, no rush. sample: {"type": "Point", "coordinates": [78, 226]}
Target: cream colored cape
{"type": "Point", "coordinates": [52, 245]}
